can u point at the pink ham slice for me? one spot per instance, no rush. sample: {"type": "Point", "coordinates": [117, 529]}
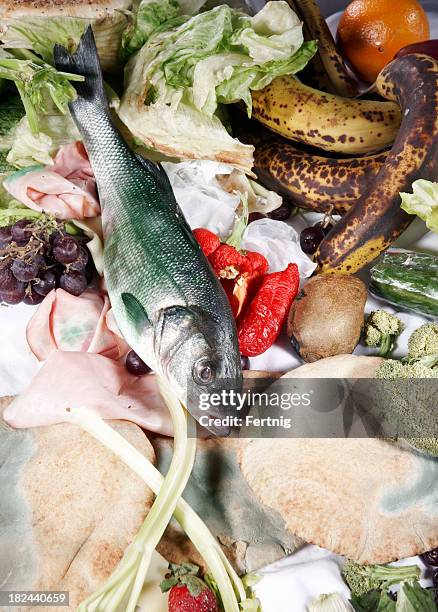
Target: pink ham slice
{"type": "Point", "coordinates": [86, 380]}
{"type": "Point", "coordinates": [72, 163]}
{"type": "Point", "coordinates": [68, 323]}
{"type": "Point", "coordinates": [67, 189]}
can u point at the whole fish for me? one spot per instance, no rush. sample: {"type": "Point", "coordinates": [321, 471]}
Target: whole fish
{"type": "Point", "coordinates": [167, 301]}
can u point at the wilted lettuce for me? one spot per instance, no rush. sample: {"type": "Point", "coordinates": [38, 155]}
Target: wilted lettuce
{"type": "Point", "coordinates": [190, 65]}
{"type": "Point", "coordinates": [39, 84]}
{"type": "Point", "coordinates": [40, 34]}
{"type": "Point", "coordinates": [148, 17]}
{"type": "Point", "coordinates": [29, 149]}
{"type": "Point", "coordinates": [423, 202]}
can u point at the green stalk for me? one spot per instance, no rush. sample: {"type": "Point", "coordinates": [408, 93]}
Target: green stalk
{"type": "Point", "coordinates": [197, 531]}
{"type": "Point", "coordinates": [158, 518]}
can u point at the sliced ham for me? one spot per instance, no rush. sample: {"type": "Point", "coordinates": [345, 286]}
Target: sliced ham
{"type": "Point", "coordinates": [69, 323]}
{"type": "Point", "coordinates": [86, 380]}
{"type": "Point", "coordinates": [72, 163]}
{"type": "Point", "coordinates": [67, 189]}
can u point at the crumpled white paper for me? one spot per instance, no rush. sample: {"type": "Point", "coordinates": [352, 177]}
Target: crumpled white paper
{"type": "Point", "coordinates": [279, 243]}
{"type": "Point", "coordinates": [201, 198]}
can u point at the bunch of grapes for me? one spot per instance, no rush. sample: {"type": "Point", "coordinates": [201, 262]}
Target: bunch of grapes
{"type": "Point", "coordinates": [38, 256]}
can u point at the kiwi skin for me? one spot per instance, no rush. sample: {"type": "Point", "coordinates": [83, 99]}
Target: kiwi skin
{"type": "Point", "coordinates": [327, 317]}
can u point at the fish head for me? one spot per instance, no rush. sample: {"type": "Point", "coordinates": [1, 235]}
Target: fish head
{"type": "Point", "coordinates": [199, 355]}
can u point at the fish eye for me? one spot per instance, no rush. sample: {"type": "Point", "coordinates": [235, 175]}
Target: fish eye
{"type": "Point", "coordinates": [203, 372]}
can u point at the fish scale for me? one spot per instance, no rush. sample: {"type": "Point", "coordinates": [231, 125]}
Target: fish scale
{"type": "Point", "coordinates": [166, 299]}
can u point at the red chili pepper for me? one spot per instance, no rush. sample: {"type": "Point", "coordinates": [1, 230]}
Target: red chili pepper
{"type": "Point", "coordinates": [227, 261]}
{"type": "Point", "coordinates": [208, 241]}
{"type": "Point", "coordinates": [258, 262]}
{"type": "Point", "coordinates": [241, 290]}
{"type": "Point", "coordinates": [266, 315]}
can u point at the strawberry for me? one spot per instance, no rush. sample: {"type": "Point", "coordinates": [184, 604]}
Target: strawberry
{"type": "Point", "coordinates": [188, 592]}
{"type": "Point", "coordinates": [208, 241]}
{"type": "Point", "coordinates": [183, 599]}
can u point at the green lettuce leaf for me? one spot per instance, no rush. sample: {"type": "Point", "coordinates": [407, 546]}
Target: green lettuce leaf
{"type": "Point", "coordinates": [373, 601]}
{"type": "Point", "coordinates": [192, 66]}
{"type": "Point", "coordinates": [29, 149]}
{"type": "Point", "coordinates": [40, 34]}
{"type": "Point", "coordinates": [39, 84]}
{"type": "Point", "coordinates": [423, 202]}
{"type": "Point", "coordinates": [149, 16]}
{"type": "Point", "coordinates": [413, 598]}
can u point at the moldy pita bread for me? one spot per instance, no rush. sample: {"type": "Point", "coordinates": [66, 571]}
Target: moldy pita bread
{"type": "Point", "coordinates": [69, 508]}
{"type": "Point", "coordinates": [367, 499]}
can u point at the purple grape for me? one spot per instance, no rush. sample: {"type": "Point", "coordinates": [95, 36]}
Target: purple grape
{"type": "Point", "coordinates": [282, 213]}
{"type": "Point", "coordinates": [21, 232]}
{"type": "Point", "coordinates": [326, 228]}
{"type": "Point", "coordinates": [55, 236]}
{"type": "Point", "coordinates": [310, 239]}
{"type": "Point", "coordinates": [11, 290]}
{"type": "Point", "coordinates": [255, 216]}
{"type": "Point", "coordinates": [244, 362]}
{"type": "Point", "coordinates": [31, 297]}
{"type": "Point", "coordinates": [45, 283]}
{"type": "Point", "coordinates": [80, 263]}
{"type": "Point", "coordinates": [73, 282]}
{"type": "Point", "coordinates": [5, 237]}
{"type": "Point", "coordinates": [430, 557]}
{"type": "Point", "coordinates": [27, 269]}
{"type": "Point", "coordinates": [66, 250]}
{"type": "Point", "coordinates": [8, 282]}
{"type": "Point", "coordinates": [12, 297]}
{"type": "Point", "coordinates": [135, 365]}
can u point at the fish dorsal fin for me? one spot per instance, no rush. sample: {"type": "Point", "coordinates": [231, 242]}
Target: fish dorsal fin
{"type": "Point", "coordinates": [135, 312]}
{"type": "Point", "coordinates": [157, 171]}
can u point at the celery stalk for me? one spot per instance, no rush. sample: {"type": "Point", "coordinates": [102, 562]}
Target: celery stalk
{"type": "Point", "coordinates": [198, 532]}
{"type": "Point", "coordinates": [129, 577]}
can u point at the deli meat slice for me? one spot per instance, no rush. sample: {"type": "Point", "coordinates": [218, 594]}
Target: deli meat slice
{"type": "Point", "coordinates": [67, 189]}
{"type": "Point", "coordinates": [86, 380]}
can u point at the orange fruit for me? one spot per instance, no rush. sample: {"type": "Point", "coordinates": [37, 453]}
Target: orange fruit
{"type": "Point", "coordinates": [371, 32]}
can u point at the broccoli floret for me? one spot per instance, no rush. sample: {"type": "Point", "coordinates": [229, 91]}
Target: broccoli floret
{"type": "Point", "coordinates": [364, 578]}
{"type": "Point", "coordinates": [391, 369]}
{"type": "Point", "coordinates": [423, 345]}
{"type": "Point", "coordinates": [381, 328]}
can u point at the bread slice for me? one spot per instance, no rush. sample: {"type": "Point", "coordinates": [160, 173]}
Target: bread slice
{"type": "Point", "coordinates": [367, 499]}
{"type": "Point", "coordinates": [68, 508]}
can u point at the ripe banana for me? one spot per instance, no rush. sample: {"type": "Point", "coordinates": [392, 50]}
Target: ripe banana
{"type": "Point", "coordinates": [325, 121]}
{"type": "Point", "coordinates": [316, 183]}
{"type": "Point", "coordinates": [376, 220]}
{"type": "Point", "coordinates": [330, 72]}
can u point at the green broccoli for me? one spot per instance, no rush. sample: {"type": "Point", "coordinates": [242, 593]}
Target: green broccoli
{"type": "Point", "coordinates": [423, 345]}
{"type": "Point", "coordinates": [391, 369]}
{"type": "Point", "coordinates": [364, 578]}
{"type": "Point", "coordinates": [381, 328]}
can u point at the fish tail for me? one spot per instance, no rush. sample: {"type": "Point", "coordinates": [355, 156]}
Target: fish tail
{"type": "Point", "coordinates": [85, 62]}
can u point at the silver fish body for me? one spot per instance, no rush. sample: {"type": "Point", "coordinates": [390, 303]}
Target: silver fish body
{"type": "Point", "coordinates": [167, 301]}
